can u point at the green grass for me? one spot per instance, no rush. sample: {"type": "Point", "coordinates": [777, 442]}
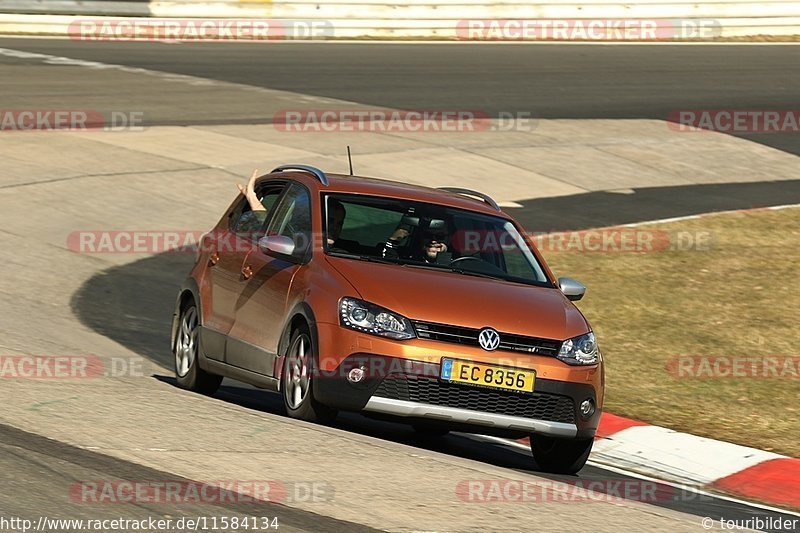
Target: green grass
{"type": "Point", "coordinates": [741, 297]}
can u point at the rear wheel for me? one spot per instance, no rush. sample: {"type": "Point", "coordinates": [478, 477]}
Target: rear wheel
{"type": "Point", "coordinates": [560, 456]}
{"type": "Point", "coordinates": [187, 366]}
{"type": "Point", "coordinates": [297, 381]}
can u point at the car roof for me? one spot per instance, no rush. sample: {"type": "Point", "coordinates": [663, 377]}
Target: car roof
{"type": "Point", "coordinates": [341, 183]}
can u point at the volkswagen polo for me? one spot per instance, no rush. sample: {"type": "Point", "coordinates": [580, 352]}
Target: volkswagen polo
{"type": "Point", "coordinates": [426, 306]}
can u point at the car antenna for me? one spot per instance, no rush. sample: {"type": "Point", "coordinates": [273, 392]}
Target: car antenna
{"type": "Point", "coordinates": [349, 160]}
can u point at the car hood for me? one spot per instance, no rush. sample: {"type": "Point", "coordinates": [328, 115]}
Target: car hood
{"type": "Point", "coordinates": [468, 301]}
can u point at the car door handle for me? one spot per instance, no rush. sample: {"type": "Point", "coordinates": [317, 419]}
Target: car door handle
{"type": "Point", "coordinates": [213, 258]}
{"type": "Point", "coordinates": [247, 272]}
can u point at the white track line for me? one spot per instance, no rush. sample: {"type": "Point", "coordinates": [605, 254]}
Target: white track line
{"type": "Point", "coordinates": [710, 214]}
{"type": "Point", "coordinates": [166, 76]}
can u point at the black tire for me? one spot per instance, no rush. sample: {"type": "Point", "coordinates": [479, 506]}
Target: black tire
{"type": "Point", "coordinates": [188, 373]}
{"type": "Point", "coordinates": [429, 431]}
{"type": "Point", "coordinates": [298, 371]}
{"type": "Point", "coordinates": [560, 456]}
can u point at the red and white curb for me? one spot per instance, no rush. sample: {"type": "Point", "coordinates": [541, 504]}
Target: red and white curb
{"type": "Point", "coordinates": [662, 453]}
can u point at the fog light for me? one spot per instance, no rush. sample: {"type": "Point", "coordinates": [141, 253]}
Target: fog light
{"type": "Point", "coordinates": [587, 408]}
{"type": "Point", "coordinates": [356, 375]}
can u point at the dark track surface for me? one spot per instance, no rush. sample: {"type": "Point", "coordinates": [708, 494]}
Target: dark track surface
{"type": "Point", "coordinates": [39, 472]}
{"type": "Point", "coordinates": [551, 81]}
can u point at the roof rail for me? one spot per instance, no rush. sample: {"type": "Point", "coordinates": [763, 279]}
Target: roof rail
{"type": "Point", "coordinates": [317, 173]}
{"type": "Point", "coordinates": [475, 194]}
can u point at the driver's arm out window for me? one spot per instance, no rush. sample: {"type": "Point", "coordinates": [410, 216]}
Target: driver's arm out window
{"type": "Point", "coordinates": [250, 222]}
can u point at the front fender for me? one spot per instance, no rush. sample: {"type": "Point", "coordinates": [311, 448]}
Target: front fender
{"type": "Point", "coordinates": [301, 311]}
{"type": "Point", "coordinates": [189, 287]}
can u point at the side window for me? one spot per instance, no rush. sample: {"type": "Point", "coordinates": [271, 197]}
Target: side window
{"type": "Point", "coordinates": [247, 222]}
{"type": "Point", "coordinates": [517, 257]}
{"type": "Point", "coordinates": [369, 225]}
{"type": "Point", "coordinates": [293, 219]}
{"type": "Point", "coordinates": [516, 263]}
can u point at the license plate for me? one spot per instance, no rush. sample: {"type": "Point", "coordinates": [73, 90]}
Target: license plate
{"type": "Point", "coordinates": [485, 375]}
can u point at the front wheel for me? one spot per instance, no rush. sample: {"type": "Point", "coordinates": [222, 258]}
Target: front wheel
{"type": "Point", "coordinates": [560, 456]}
{"type": "Point", "coordinates": [188, 373]}
{"type": "Point", "coordinates": [297, 378]}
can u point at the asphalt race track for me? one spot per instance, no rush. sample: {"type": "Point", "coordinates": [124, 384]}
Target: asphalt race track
{"type": "Point", "coordinates": [572, 82]}
{"type": "Point", "coordinates": [28, 458]}
{"type": "Point", "coordinates": [552, 81]}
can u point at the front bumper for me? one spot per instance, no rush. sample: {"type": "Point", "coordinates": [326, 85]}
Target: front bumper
{"type": "Point", "coordinates": [404, 408]}
{"type": "Point", "coordinates": [397, 387]}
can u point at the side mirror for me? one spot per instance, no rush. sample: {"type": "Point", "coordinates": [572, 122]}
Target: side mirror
{"type": "Point", "coordinates": [572, 289]}
{"type": "Point", "coordinates": [278, 244]}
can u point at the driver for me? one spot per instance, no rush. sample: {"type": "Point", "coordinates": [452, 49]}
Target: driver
{"type": "Point", "coordinates": [431, 245]}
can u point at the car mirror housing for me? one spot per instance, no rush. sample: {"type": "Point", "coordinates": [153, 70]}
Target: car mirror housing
{"type": "Point", "coordinates": [278, 244]}
{"type": "Point", "coordinates": [572, 289]}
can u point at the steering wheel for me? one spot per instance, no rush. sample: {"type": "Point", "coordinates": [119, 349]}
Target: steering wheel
{"type": "Point", "coordinates": [465, 258]}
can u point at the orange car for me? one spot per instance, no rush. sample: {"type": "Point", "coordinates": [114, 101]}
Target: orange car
{"type": "Point", "coordinates": [425, 306]}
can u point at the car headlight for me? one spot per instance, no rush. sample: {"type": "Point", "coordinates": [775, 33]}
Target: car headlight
{"type": "Point", "coordinates": [581, 350]}
{"type": "Point", "coordinates": [370, 318]}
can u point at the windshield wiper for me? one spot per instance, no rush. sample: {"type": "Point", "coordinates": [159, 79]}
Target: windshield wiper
{"type": "Point", "coordinates": [476, 274]}
{"type": "Point", "coordinates": [415, 264]}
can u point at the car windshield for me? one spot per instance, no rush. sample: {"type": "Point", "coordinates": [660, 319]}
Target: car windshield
{"type": "Point", "coordinates": [426, 235]}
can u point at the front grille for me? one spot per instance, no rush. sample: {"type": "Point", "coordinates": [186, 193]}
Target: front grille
{"type": "Point", "coordinates": [469, 336]}
{"type": "Point", "coordinates": [537, 405]}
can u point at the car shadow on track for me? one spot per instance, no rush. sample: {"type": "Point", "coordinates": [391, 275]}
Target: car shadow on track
{"type": "Point", "coordinates": [132, 304]}
{"type": "Point", "coordinates": [455, 444]}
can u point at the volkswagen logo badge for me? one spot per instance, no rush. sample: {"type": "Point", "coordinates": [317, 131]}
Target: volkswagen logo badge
{"type": "Point", "coordinates": [489, 339]}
